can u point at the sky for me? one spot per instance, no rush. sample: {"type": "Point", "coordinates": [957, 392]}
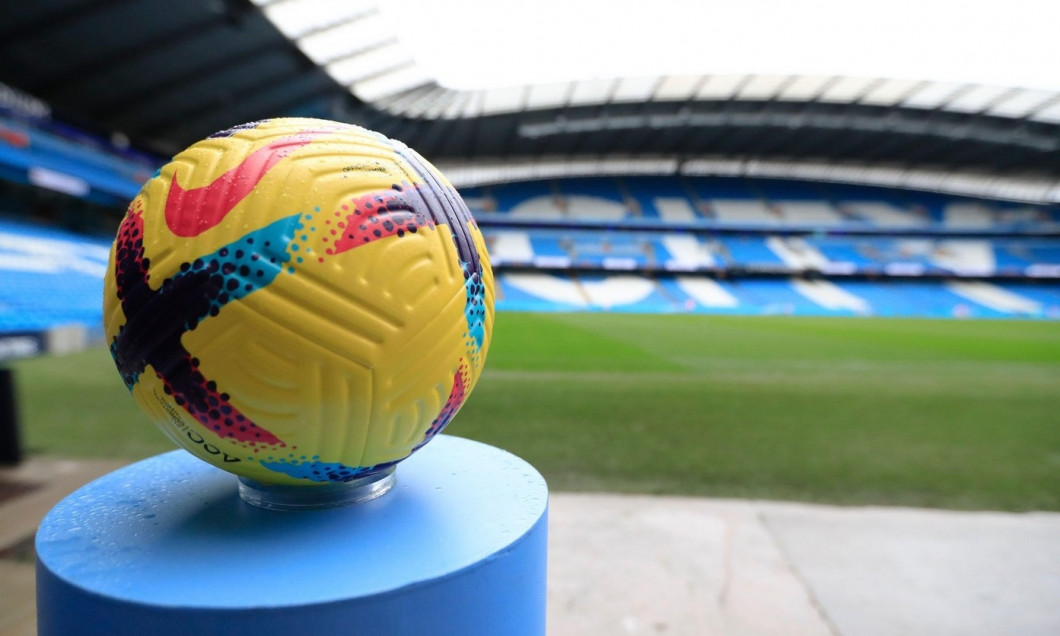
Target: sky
{"type": "Point", "coordinates": [475, 44]}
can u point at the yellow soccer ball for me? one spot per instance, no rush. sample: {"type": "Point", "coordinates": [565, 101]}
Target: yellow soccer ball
{"type": "Point", "coordinates": [299, 301]}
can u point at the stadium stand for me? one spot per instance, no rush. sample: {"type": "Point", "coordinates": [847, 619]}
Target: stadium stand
{"type": "Point", "coordinates": [57, 157]}
{"type": "Point", "coordinates": [50, 278]}
{"type": "Point", "coordinates": [670, 245]}
{"type": "Point", "coordinates": [767, 247]}
{"type": "Point", "coordinates": [62, 193]}
{"type": "Point", "coordinates": [611, 243]}
{"type": "Point", "coordinates": [592, 199]}
{"type": "Point", "coordinates": [605, 217]}
{"type": "Point", "coordinates": [661, 198]}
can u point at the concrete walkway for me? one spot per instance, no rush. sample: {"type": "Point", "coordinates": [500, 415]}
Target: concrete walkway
{"type": "Point", "coordinates": [45, 483]}
{"type": "Point", "coordinates": [699, 567]}
{"type": "Point", "coordinates": [660, 565]}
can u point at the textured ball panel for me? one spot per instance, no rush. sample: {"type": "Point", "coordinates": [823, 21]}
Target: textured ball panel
{"type": "Point", "coordinates": [299, 301]}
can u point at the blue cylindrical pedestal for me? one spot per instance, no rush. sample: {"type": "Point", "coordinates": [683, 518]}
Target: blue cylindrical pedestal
{"type": "Point", "coordinates": [166, 546]}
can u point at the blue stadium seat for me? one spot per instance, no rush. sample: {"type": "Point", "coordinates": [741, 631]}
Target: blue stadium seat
{"type": "Point", "coordinates": [547, 245]}
{"type": "Point", "coordinates": [646, 190]}
{"type": "Point", "coordinates": [596, 187]}
{"type": "Point", "coordinates": [724, 188]}
{"type": "Point", "coordinates": [843, 250]}
{"type": "Point", "coordinates": [791, 191]}
{"type": "Point", "coordinates": [50, 278]}
{"type": "Point", "coordinates": [750, 250]}
{"type": "Point", "coordinates": [509, 195]}
{"type": "Point", "coordinates": [776, 296]}
{"type": "Point", "coordinates": [1045, 253]}
{"type": "Point", "coordinates": [1012, 255]}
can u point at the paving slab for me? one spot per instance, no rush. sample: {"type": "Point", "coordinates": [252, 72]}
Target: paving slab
{"type": "Point", "coordinates": [18, 613]}
{"type": "Point", "coordinates": [43, 483]}
{"type": "Point", "coordinates": [661, 565]}
{"type": "Point", "coordinates": [48, 481]}
{"type": "Point", "coordinates": [675, 566]}
{"type": "Point", "coordinates": [885, 571]}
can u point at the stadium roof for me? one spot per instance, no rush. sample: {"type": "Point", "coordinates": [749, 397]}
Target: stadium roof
{"type": "Point", "coordinates": [995, 42]}
{"type": "Point", "coordinates": [166, 74]}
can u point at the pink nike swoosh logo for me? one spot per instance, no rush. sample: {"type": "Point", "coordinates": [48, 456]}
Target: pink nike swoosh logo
{"type": "Point", "coordinates": [192, 212]}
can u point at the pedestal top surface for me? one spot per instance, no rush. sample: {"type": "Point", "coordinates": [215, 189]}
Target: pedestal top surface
{"type": "Point", "coordinates": [172, 530]}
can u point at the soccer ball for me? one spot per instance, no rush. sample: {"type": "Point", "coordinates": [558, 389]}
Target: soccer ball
{"type": "Point", "coordinates": [299, 301]}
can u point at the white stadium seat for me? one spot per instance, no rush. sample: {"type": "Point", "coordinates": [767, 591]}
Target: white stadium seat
{"type": "Point", "coordinates": [511, 247]}
{"type": "Point", "coordinates": [882, 214]}
{"type": "Point", "coordinates": [744, 212]}
{"type": "Point", "coordinates": [594, 208]}
{"type": "Point", "coordinates": [540, 207]}
{"type": "Point", "coordinates": [674, 209]}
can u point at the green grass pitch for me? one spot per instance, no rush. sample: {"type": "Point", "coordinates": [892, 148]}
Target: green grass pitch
{"type": "Point", "coordinates": [953, 414]}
